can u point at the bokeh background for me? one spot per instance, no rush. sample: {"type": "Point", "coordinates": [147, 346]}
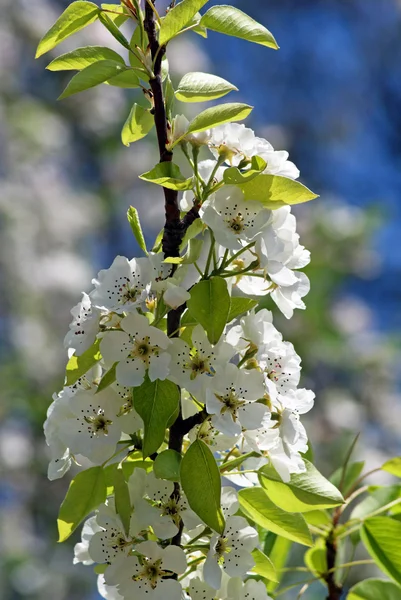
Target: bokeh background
{"type": "Point", "coordinates": [332, 97]}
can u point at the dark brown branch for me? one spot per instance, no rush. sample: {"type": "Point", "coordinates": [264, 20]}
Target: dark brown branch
{"type": "Point", "coordinates": [174, 227]}
{"type": "Point", "coordinates": [335, 591]}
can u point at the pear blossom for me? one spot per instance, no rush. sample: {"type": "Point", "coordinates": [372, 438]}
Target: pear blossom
{"type": "Point", "coordinates": [84, 326]}
{"type": "Point", "coordinates": [205, 170]}
{"type": "Point", "coordinates": [157, 506]}
{"type": "Point", "coordinates": [231, 399]}
{"type": "Point", "coordinates": [107, 591]}
{"type": "Point", "coordinates": [148, 578]}
{"type": "Point", "coordinates": [233, 219]}
{"type": "Point", "coordinates": [122, 287]}
{"type": "Point", "coordinates": [180, 128]}
{"type": "Point", "coordinates": [138, 349]}
{"type": "Point", "coordinates": [81, 549]}
{"type": "Point", "coordinates": [250, 590]}
{"type": "Point", "coordinates": [193, 368]}
{"type": "Point", "coordinates": [290, 297]}
{"type": "Point", "coordinates": [89, 424]}
{"type": "Point", "coordinates": [237, 143]}
{"type": "Point", "coordinates": [230, 551]}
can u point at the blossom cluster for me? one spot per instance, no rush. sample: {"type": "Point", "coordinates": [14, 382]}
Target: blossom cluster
{"type": "Point", "coordinates": [245, 386]}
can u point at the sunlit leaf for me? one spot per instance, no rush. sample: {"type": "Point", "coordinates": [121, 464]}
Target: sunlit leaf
{"type": "Point", "coordinates": [87, 490]}
{"type": "Point", "coordinates": [201, 482]}
{"type": "Point", "coordinates": [75, 17]}
{"type": "Point", "coordinates": [202, 87]}
{"type": "Point", "coordinates": [232, 21]}
{"type": "Point", "coordinates": [209, 305]}
{"type": "Point", "coordinates": [79, 365]}
{"type": "Point", "coordinates": [139, 123]}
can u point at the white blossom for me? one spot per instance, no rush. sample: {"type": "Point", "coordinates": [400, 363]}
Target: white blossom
{"type": "Point", "coordinates": [231, 551]}
{"type": "Point", "coordinates": [84, 326]}
{"type": "Point", "coordinates": [124, 286]}
{"type": "Point", "coordinates": [138, 348]}
{"type": "Point", "coordinates": [231, 399]}
{"type": "Point", "coordinates": [146, 580]}
{"type": "Point", "coordinates": [233, 219]}
{"type": "Point", "coordinates": [194, 367]}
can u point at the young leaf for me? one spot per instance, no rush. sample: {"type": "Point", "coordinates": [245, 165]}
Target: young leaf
{"type": "Point", "coordinates": [92, 76]}
{"type": "Point", "coordinates": [352, 472]}
{"type": "Point", "coordinates": [201, 482]}
{"type": "Point", "coordinates": [255, 503]}
{"type": "Point", "coordinates": [122, 499]}
{"type": "Point", "coordinates": [177, 18]}
{"type": "Point", "coordinates": [108, 378]}
{"type": "Point", "coordinates": [239, 306]}
{"type": "Point", "coordinates": [234, 22]}
{"type": "Point", "coordinates": [235, 176]}
{"type": "Point", "coordinates": [217, 115]}
{"type": "Point", "coordinates": [116, 8]}
{"type": "Point", "coordinates": [393, 466]}
{"type": "Point", "coordinates": [193, 230]}
{"type": "Point", "coordinates": [278, 549]}
{"type": "Point", "coordinates": [155, 401]}
{"type": "Point", "coordinates": [374, 589]}
{"type": "Point", "coordinates": [127, 79]}
{"type": "Point", "coordinates": [133, 220]}
{"type": "Point", "coordinates": [316, 559]}
{"type": "Point", "coordinates": [79, 365]}
{"type": "Point", "coordinates": [133, 462]}
{"type": "Point", "coordinates": [195, 26]}
{"type": "Point", "coordinates": [167, 465]}
{"type": "Point", "coordinates": [75, 17]}
{"type": "Point", "coordinates": [168, 175]}
{"type": "Point", "coordinates": [202, 87]}
{"type": "Point", "coordinates": [114, 30]}
{"type": "Point", "coordinates": [209, 305]}
{"type": "Point", "coordinates": [140, 121]}
{"type": "Point", "coordinates": [83, 57]}
{"type": "Point", "coordinates": [381, 538]}
{"type": "Point", "coordinates": [304, 492]}
{"type": "Point", "coordinates": [274, 191]}
{"type": "Point", "coordinates": [169, 97]}
{"type": "Point", "coordinates": [87, 490]}
{"type": "Point", "coordinates": [263, 565]}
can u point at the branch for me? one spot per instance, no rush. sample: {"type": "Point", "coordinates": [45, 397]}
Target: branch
{"type": "Point", "coordinates": [335, 590]}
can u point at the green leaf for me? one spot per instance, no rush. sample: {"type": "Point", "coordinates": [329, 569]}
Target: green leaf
{"type": "Point", "coordinates": [87, 490]}
{"type": "Point", "coordinates": [304, 492]}
{"type": "Point", "coordinates": [117, 19]}
{"type": "Point", "coordinates": [140, 121]}
{"type": "Point", "coordinates": [168, 175]}
{"type": "Point", "coordinates": [378, 497]}
{"type": "Point", "coordinates": [381, 537]}
{"type": "Point", "coordinates": [122, 499]}
{"type": "Point", "coordinates": [316, 559]}
{"type": "Point", "coordinates": [393, 466]}
{"type": "Point", "coordinates": [177, 18]}
{"type": "Point", "coordinates": [79, 365]}
{"type": "Point", "coordinates": [193, 230]}
{"type": "Point", "coordinates": [92, 76]}
{"type": "Point", "coordinates": [133, 462]}
{"type": "Point", "coordinates": [100, 569]}
{"type": "Point", "coordinates": [217, 115]}
{"type": "Point", "coordinates": [75, 17]}
{"type": "Point", "coordinates": [235, 176]}
{"type": "Point", "coordinates": [195, 26]}
{"type": "Point", "coordinates": [108, 378]}
{"type": "Point", "coordinates": [133, 220]}
{"type": "Point", "coordinates": [255, 503]}
{"type": "Point", "coordinates": [240, 306]}
{"type": "Point", "coordinates": [231, 464]}
{"type": "Point", "coordinates": [263, 565]}
{"type": "Point", "coordinates": [155, 401]}
{"type": "Point", "coordinates": [352, 473]}
{"type": "Point", "coordinates": [114, 30]}
{"type": "Point", "coordinates": [169, 97]}
{"type": "Point", "coordinates": [167, 465]}
{"type": "Point", "coordinates": [274, 191]}
{"type": "Point", "coordinates": [201, 482]}
{"type": "Point", "coordinates": [375, 589]}
{"type": "Point", "coordinates": [127, 80]}
{"type": "Point", "coordinates": [202, 87]}
{"type": "Point", "coordinates": [83, 57]}
{"type": "Point", "coordinates": [278, 549]}
{"type": "Point", "coordinates": [209, 305]}
{"type": "Point", "coordinates": [234, 22]}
